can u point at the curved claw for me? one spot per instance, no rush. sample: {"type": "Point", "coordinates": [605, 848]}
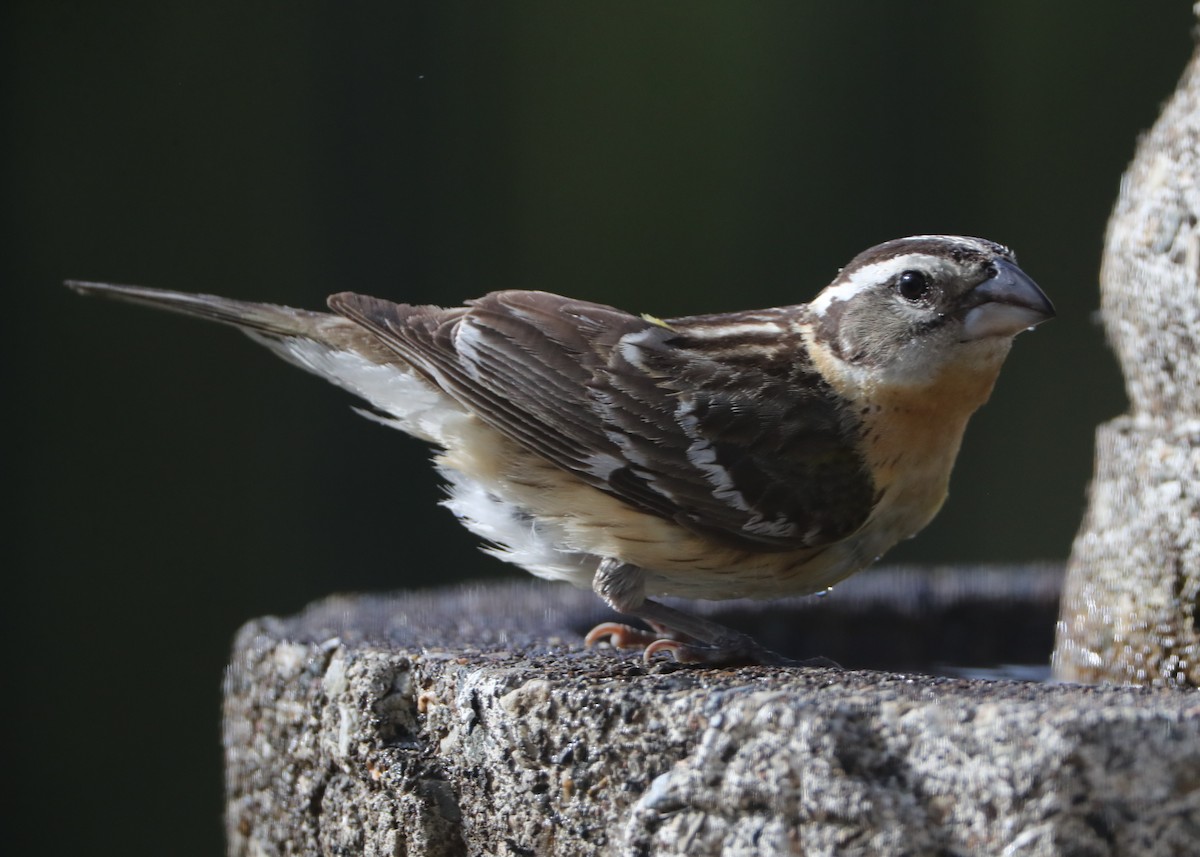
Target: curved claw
{"type": "Point", "coordinates": [678, 649]}
{"type": "Point", "coordinates": [686, 652]}
{"type": "Point", "coordinates": [731, 652]}
{"type": "Point", "coordinates": [620, 636]}
{"type": "Point", "coordinates": [683, 651]}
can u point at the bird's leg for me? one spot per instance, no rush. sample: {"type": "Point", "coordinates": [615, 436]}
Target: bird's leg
{"type": "Point", "coordinates": [690, 639]}
{"type": "Point", "coordinates": [622, 587]}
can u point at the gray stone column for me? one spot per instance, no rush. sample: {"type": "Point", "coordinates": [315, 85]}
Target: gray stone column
{"type": "Point", "coordinates": [1132, 596]}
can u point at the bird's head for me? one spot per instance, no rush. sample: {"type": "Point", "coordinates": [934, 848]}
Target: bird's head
{"type": "Point", "coordinates": [906, 310]}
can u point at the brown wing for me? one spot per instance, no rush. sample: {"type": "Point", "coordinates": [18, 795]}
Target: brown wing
{"type": "Point", "coordinates": [669, 418]}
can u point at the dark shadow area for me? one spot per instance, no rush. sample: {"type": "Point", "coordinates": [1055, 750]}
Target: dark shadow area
{"type": "Point", "coordinates": [972, 622]}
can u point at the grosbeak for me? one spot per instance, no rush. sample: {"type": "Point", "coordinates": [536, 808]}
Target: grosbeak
{"type": "Point", "coordinates": [745, 454]}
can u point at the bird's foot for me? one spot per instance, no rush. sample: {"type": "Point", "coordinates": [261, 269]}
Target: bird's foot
{"type": "Point", "coordinates": [690, 639]}
{"type": "Point", "coordinates": [732, 649]}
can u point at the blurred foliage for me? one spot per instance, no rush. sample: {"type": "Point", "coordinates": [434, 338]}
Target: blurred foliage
{"type": "Point", "coordinates": [667, 157]}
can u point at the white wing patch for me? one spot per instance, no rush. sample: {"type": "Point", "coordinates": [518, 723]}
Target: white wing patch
{"type": "Point", "coordinates": [630, 346]}
{"type": "Point", "coordinates": [466, 343]}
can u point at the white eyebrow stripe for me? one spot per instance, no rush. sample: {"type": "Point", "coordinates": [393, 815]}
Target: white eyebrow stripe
{"type": "Point", "coordinates": [869, 276]}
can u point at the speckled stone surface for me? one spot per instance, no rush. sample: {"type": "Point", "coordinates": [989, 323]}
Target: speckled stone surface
{"type": "Point", "coordinates": [473, 722]}
{"type": "Point", "coordinates": [1131, 607]}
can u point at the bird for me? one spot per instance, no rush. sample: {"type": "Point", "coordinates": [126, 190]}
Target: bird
{"type": "Point", "coordinates": [747, 454]}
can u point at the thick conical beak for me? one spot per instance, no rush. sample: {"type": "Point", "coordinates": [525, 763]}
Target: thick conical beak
{"type": "Point", "coordinates": [1004, 304]}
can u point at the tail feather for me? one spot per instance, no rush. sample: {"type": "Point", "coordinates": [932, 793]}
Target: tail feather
{"type": "Point", "coordinates": [330, 346]}
{"type": "Point", "coordinates": [264, 318]}
{"type": "Point", "coordinates": [268, 321]}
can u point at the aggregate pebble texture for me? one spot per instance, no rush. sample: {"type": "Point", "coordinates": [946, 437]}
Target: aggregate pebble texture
{"type": "Point", "coordinates": [471, 722]}
{"type": "Point", "coordinates": [1131, 606]}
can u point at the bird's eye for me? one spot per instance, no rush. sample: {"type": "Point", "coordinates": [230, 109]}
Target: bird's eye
{"type": "Point", "coordinates": [912, 285]}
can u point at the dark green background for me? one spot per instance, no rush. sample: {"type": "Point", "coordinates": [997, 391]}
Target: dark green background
{"type": "Point", "coordinates": [172, 480]}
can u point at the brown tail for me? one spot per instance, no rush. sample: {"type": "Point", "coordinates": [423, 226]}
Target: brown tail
{"type": "Point", "coordinates": [265, 323]}
{"type": "Point", "coordinates": [269, 319]}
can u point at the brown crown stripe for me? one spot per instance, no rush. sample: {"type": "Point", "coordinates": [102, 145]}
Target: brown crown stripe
{"type": "Point", "coordinates": [957, 251]}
